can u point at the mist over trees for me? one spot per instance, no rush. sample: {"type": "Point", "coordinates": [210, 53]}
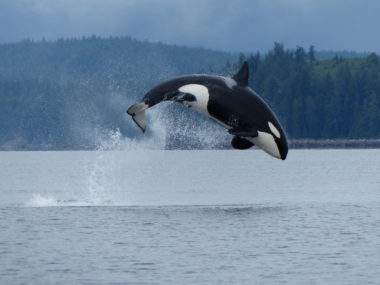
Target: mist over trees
{"type": "Point", "coordinates": [64, 94]}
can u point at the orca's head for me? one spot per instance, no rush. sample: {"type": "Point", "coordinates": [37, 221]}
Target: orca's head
{"type": "Point", "coordinates": [270, 135]}
{"type": "Point", "coordinates": [272, 140]}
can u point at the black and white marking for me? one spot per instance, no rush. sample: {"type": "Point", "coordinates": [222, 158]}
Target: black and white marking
{"type": "Point", "coordinates": [229, 101]}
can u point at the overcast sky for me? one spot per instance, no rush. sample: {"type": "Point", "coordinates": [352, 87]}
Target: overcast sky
{"type": "Point", "coordinates": [237, 25]}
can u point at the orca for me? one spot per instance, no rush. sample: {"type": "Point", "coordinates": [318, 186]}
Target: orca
{"type": "Point", "coordinates": [227, 100]}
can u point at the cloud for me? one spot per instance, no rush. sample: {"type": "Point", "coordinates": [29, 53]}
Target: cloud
{"type": "Point", "coordinates": [246, 25]}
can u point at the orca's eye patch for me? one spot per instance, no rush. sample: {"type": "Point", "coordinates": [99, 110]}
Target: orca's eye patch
{"type": "Point", "coordinates": [184, 97]}
{"type": "Point", "coordinates": [189, 98]}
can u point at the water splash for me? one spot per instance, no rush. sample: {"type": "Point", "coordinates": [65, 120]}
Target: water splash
{"type": "Point", "coordinates": [164, 129]}
{"type": "Point", "coordinates": [169, 127]}
{"type": "Point", "coordinates": [44, 201]}
{"type": "Point", "coordinates": [155, 138]}
{"type": "Point", "coordinates": [101, 175]}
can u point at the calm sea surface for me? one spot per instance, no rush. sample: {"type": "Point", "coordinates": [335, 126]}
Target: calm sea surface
{"type": "Point", "coordinates": [189, 217]}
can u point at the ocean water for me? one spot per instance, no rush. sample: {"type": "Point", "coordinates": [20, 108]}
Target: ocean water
{"type": "Point", "coordinates": [190, 217]}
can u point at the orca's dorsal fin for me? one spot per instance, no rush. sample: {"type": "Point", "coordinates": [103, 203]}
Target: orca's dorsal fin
{"type": "Point", "coordinates": [243, 75]}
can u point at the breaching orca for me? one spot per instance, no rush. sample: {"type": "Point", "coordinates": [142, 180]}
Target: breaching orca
{"type": "Point", "coordinates": [229, 101]}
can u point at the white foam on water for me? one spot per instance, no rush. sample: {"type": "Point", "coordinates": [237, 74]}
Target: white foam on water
{"type": "Point", "coordinates": [42, 201]}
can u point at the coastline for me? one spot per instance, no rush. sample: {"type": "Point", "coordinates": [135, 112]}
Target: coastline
{"type": "Point", "coordinates": [293, 144]}
{"type": "Point", "coordinates": [334, 144]}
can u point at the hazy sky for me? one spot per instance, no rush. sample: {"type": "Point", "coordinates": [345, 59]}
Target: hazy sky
{"type": "Point", "coordinates": [239, 25]}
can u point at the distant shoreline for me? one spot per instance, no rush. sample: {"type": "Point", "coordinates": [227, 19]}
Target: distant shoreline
{"type": "Point", "coordinates": [293, 144]}
{"type": "Point", "coordinates": [334, 144]}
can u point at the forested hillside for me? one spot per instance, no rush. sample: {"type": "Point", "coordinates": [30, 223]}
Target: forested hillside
{"type": "Point", "coordinates": [70, 93]}
{"type": "Point", "coordinates": [337, 98]}
{"type": "Point", "coordinates": [67, 93]}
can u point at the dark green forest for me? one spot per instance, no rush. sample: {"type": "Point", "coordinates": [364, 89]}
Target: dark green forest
{"type": "Point", "coordinates": [69, 93]}
{"type": "Point", "coordinates": [321, 99]}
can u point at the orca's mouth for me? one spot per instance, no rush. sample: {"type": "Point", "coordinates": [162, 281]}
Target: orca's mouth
{"type": "Point", "coordinates": [282, 147]}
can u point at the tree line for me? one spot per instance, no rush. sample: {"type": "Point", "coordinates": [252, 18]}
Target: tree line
{"type": "Point", "coordinates": [337, 98]}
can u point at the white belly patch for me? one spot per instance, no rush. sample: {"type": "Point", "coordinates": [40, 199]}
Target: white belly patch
{"type": "Point", "coordinates": [267, 143]}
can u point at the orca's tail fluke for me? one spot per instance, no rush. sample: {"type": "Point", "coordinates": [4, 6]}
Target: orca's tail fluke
{"type": "Point", "coordinates": [137, 111]}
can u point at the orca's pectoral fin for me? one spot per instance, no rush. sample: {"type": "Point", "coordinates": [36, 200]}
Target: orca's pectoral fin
{"type": "Point", "coordinates": [241, 143]}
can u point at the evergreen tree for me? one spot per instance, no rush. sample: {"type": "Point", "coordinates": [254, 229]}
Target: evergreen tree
{"type": "Point", "coordinates": [311, 54]}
